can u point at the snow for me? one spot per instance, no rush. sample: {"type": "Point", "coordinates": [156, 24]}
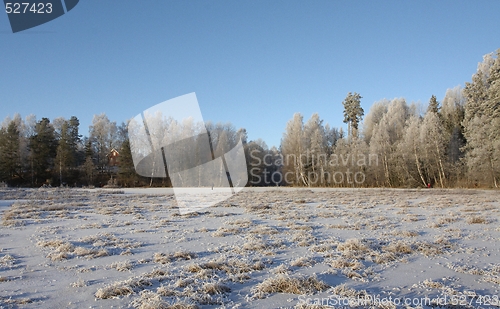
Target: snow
{"type": "Point", "coordinates": [69, 248]}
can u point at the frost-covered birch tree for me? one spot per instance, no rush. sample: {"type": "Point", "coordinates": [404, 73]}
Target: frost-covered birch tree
{"type": "Point", "coordinates": [103, 135]}
{"type": "Point", "coordinates": [433, 142]}
{"type": "Point", "coordinates": [293, 148]}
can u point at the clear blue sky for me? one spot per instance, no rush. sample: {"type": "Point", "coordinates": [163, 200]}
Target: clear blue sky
{"type": "Point", "coordinates": [253, 63]}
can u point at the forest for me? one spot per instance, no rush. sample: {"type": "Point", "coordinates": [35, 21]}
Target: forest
{"type": "Point", "coordinates": [452, 143]}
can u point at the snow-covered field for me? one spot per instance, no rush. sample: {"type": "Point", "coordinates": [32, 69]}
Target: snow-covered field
{"type": "Point", "coordinates": [263, 248]}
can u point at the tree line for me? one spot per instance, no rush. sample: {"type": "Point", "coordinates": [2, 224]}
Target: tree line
{"type": "Point", "coordinates": [43, 152]}
{"type": "Point", "coordinates": [40, 152]}
{"type": "Point", "coordinates": [453, 143]}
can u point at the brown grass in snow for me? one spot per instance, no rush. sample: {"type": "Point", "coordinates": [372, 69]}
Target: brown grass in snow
{"type": "Point", "coordinates": [123, 288]}
{"type": "Point", "coordinates": [164, 258]}
{"type": "Point", "coordinates": [477, 220]}
{"type": "Point", "coordinates": [78, 284]}
{"type": "Point", "coordinates": [151, 300]}
{"type": "Point", "coordinates": [303, 262]}
{"type": "Point", "coordinates": [231, 266]}
{"type": "Point", "coordinates": [341, 263]}
{"type": "Point", "coordinates": [98, 246]}
{"type": "Point", "coordinates": [391, 222]}
{"type": "Point", "coordinates": [215, 288]}
{"type": "Point", "coordinates": [122, 266]}
{"type": "Point", "coordinates": [224, 231]}
{"type": "Point", "coordinates": [7, 261]}
{"type": "Point", "coordinates": [283, 283]}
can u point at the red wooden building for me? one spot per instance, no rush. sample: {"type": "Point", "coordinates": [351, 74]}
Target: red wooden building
{"type": "Point", "coordinates": [113, 158]}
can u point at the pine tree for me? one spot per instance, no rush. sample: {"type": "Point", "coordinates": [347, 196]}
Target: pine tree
{"type": "Point", "coordinates": [353, 113]}
{"type": "Point", "coordinates": [67, 151]}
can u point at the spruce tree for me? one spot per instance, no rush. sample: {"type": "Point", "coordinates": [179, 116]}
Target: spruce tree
{"type": "Point", "coordinates": [10, 160]}
{"type": "Point", "coordinates": [433, 105]}
{"type": "Point", "coordinates": [43, 147]}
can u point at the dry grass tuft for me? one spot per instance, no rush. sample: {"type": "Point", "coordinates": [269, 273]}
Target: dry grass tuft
{"type": "Point", "coordinates": [242, 223]}
{"type": "Point", "coordinates": [184, 282]}
{"type": "Point", "coordinates": [122, 288]}
{"type": "Point", "coordinates": [163, 258]}
{"type": "Point", "coordinates": [12, 302]}
{"type": "Point", "coordinates": [345, 291]}
{"type": "Point", "coordinates": [103, 240]}
{"type": "Point", "coordinates": [283, 283]}
{"type": "Point", "coordinates": [167, 291]}
{"type": "Point", "coordinates": [384, 258]}
{"type": "Point", "coordinates": [151, 300]}
{"type": "Point", "coordinates": [215, 288]}
{"type": "Point", "coordinates": [224, 231]}
{"type": "Point", "coordinates": [354, 248]}
{"type": "Point", "coordinates": [433, 284]}
{"type": "Point", "coordinates": [405, 233]}
{"type": "Point", "coordinates": [303, 262]}
{"type": "Point", "coordinates": [345, 263]}
{"type": "Point", "coordinates": [492, 279]}
{"type": "Point", "coordinates": [255, 245]}
{"type": "Point", "coordinates": [281, 269]}
{"type": "Point", "coordinates": [122, 266]}
{"type": "Point", "coordinates": [183, 255]}
{"type": "Point", "coordinates": [398, 247]}
{"type": "Point", "coordinates": [100, 245]}
{"type": "Point", "coordinates": [7, 260]}
{"type": "Point", "coordinates": [477, 220]}
{"type": "Point", "coordinates": [78, 284]}
{"type": "Point", "coordinates": [156, 274]}
{"type": "Point", "coordinates": [232, 266]}
{"type": "Point", "coordinates": [303, 238]}
{"type": "Point", "coordinates": [429, 249]}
